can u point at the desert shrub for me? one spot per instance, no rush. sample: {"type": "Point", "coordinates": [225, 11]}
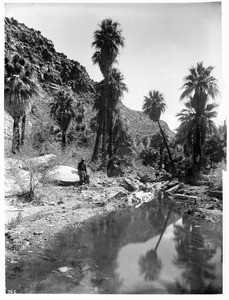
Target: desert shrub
{"type": "Point", "coordinates": [150, 157]}
{"type": "Point", "coordinates": [42, 136]}
{"type": "Point", "coordinates": [216, 176]}
{"type": "Point", "coordinates": [214, 150]}
{"type": "Point", "coordinates": [145, 141]}
{"type": "Point", "coordinates": [124, 150]}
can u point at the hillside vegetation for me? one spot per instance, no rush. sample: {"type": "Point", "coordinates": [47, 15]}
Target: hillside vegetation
{"type": "Point", "coordinates": [54, 70]}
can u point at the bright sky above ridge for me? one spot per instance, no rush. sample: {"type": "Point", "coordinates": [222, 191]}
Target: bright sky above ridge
{"type": "Point", "coordinates": [162, 41]}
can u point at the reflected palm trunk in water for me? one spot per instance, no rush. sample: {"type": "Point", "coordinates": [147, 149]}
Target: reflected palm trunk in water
{"type": "Point", "coordinates": [150, 263]}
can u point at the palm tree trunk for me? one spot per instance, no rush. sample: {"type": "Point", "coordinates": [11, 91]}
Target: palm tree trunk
{"type": "Point", "coordinates": [97, 141]}
{"type": "Point", "coordinates": [197, 152]}
{"type": "Point", "coordinates": [23, 129]}
{"type": "Point", "coordinates": [167, 147]}
{"type": "Point", "coordinates": [104, 150]}
{"type": "Point", "coordinates": [161, 158]}
{"type": "Point", "coordinates": [16, 135]}
{"type": "Point", "coordinates": [63, 141]}
{"type": "Point", "coordinates": [166, 221]}
{"type": "Point", "coordinates": [110, 145]}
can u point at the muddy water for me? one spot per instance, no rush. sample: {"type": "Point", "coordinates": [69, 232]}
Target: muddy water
{"type": "Point", "coordinates": [151, 249]}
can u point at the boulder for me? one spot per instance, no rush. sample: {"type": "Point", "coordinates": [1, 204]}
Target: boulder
{"type": "Point", "coordinates": [140, 197]}
{"type": "Point", "coordinates": [144, 178]}
{"type": "Point", "coordinates": [130, 184]}
{"type": "Point", "coordinates": [63, 175]}
{"type": "Point", "coordinates": [11, 163]}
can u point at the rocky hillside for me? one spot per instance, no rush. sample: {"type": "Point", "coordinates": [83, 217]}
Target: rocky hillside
{"type": "Point", "coordinates": [53, 70]}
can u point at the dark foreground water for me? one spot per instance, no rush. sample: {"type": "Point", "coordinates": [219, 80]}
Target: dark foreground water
{"type": "Point", "coordinates": [151, 249]}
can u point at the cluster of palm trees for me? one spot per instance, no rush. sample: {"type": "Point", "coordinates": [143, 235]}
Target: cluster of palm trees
{"type": "Point", "coordinates": [20, 87]}
{"type": "Point", "coordinates": [107, 41]}
{"type": "Point", "coordinates": [153, 106]}
{"type": "Point", "coordinates": [63, 111]}
{"type": "Point", "coordinates": [196, 118]}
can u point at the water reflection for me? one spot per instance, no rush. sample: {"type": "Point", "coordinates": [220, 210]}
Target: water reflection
{"type": "Point", "coordinates": [185, 262]}
{"type": "Point", "coordinates": [150, 263]}
{"type": "Point", "coordinates": [194, 256]}
{"type": "Point", "coordinates": [146, 250]}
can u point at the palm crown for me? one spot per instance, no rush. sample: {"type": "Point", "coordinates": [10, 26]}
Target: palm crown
{"type": "Point", "coordinates": [116, 89]}
{"type": "Point", "coordinates": [107, 40]}
{"type": "Point", "coordinates": [200, 85]}
{"type": "Point", "coordinates": [20, 86]}
{"type": "Point", "coordinates": [63, 109]}
{"type": "Point", "coordinates": [154, 105]}
{"type": "Point", "coordinates": [189, 120]}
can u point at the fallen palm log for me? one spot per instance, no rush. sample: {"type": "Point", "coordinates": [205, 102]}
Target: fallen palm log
{"type": "Point", "coordinates": [183, 197]}
{"type": "Point", "coordinates": [173, 189]}
{"type": "Point", "coordinates": [165, 184]}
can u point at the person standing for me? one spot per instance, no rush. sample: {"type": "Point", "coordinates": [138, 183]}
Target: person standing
{"type": "Point", "coordinates": [82, 170]}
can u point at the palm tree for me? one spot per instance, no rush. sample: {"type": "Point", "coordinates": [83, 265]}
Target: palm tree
{"type": "Point", "coordinates": [63, 112]}
{"type": "Point", "coordinates": [191, 120]}
{"type": "Point", "coordinates": [157, 142]}
{"type": "Point", "coordinates": [201, 86]}
{"type": "Point", "coordinates": [115, 91]}
{"type": "Point", "coordinates": [107, 40]}
{"type": "Point", "coordinates": [98, 105]}
{"type": "Point", "coordinates": [153, 106]}
{"type": "Point", "coordinates": [20, 86]}
{"type": "Point", "coordinates": [150, 263]}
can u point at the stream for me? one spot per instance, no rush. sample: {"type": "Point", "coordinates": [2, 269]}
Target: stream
{"type": "Point", "coordinates": [149, 250]}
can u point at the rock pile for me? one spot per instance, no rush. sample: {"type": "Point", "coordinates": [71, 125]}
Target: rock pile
{"type": "Point", "coordinates": [51, 66]}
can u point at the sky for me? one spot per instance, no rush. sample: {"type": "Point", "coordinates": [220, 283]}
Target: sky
{"type": "Point", "coordinates": [162, 41]}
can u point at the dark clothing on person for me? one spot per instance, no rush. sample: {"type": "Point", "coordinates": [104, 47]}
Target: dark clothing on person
{"type": "Point", "coordinates": [82, 166]}
{"type": "Point", "coordinates": [82, 170]}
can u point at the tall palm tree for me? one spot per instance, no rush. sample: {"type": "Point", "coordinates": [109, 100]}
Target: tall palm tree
{"type": "Point", "coordinates": [115, 91]}
{"type": "Point", "coordinates": [107, 41]}
{"type": "Point", "coordinates": [20, 86]}
{"type": "Point", "coordinates": [157, 142]}
{"type": "Point", "coordinates": [63, 111]}
{"type": "Point", "coordinates": [98, 106]}
{"type": "Point", "coordinates": [153, 106]}
{"type": "Point", "coordinates": [191, 120]}
{"type": "Point", "coordinates": [201, 86]}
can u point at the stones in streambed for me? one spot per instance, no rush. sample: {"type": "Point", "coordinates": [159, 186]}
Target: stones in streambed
{"type": "Point", "coordinates": [140, 197]}
{"type": "Point", "coordinates": [97, 277]}
{"type": "Point", "coordinates": [63, 175]}
{"type": "Point", "coordinates": [144, 178]}
{"type": "Point", "coordinates": [64, 269]}
{"type": "Point", "coordinates": [130, 184]}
